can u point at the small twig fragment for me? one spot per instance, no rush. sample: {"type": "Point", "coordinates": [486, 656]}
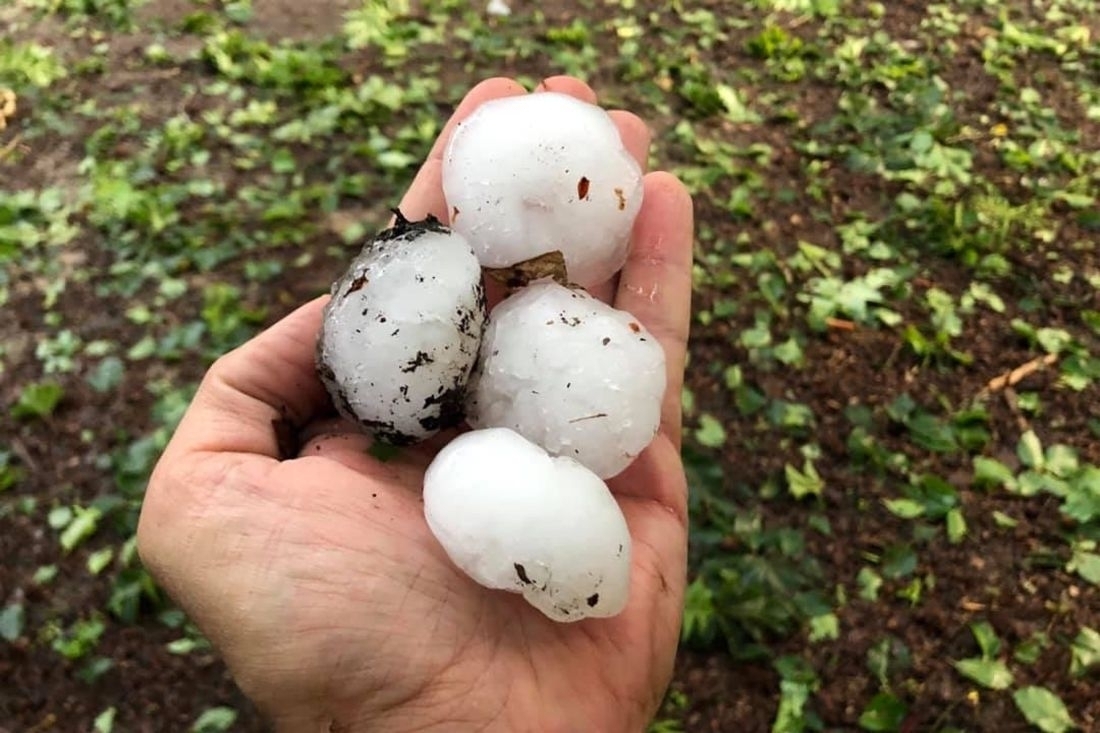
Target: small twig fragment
{"type": "Point", "coordinates": [840, 324]}
{"type": "Point", "coordinates": [1020, 373]}
{"type": "Point", "coordinates": [550, 264]}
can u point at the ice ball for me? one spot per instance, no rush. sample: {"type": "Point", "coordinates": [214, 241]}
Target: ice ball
{"type": "Point", "coordinates": [538, 173]}
{"type": "Point", "coordinates": [401, 333]}
{"type": "Point", "coordinates": [514, 518]}
{"type": "Point", "coordinates": [571, 374]}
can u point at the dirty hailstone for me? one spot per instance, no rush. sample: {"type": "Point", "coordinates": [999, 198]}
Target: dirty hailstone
{"type": "Point", "coordinates": [543, 172]}
{"type": "Point", "coordinates": [572, 375]}
{"type": "Point", "coordinates": [514, 518]}
{"type": "Point", "coordinates": [400, 336]}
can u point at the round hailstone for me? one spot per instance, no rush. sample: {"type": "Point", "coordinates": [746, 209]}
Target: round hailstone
{"type": "Point", "coordinates": [571, 374]}
{"type": "Point", "coordinates": [514, 518]}
{"type": "Point", "coordinates": [400, 336]}
{"type": "Point", "coordinates": [544, 172]}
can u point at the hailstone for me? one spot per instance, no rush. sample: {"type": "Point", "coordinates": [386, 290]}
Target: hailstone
{"type": "Point", "coordinates": [537, 173]}
{"type": "Point", "coordinates": [514, 518]}
{"type": "Point", "coordinates": [571, 374]}
{"type": "Point", "coordinates": [400, 335]}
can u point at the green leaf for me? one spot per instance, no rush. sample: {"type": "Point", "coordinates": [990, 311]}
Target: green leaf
{"type": "Point", "coordinates": [1053, 340]}
{"type": "Point", "coordinates": [898, 561]}
{"type": "Point", "coordinates": [38, 399]}
{"type": "Point", "coordinates": [186, 645]}
{"type": "Point", "coordinates": [10, 474]}
{"type": "Point", "coordinates": [933, 434]}
{"type": "Point", "coordinates": [1030, 450]}
{"type": "Point", "coordinates": [869, 584]}
{"type": "Point", "coordinates": [215, 720]}
{"type": "Point", "coordinates": [12, 619]}
{"type": "Point", "coordinates": [710, 431]}
{"type": "Point", "coordinates": [1082, 502]}
{"type": "Point", "coordinates": [143, 349]}
{"type": "Point", "coordinates": [80, 639]}
{"type": "Point", "coordinates": [991, 473]}
{"type": "Point", "coordinates": [986, 638]}
{"type": "Point", "coordinates": [1085, 563]}
{"type": "Point", "coordinates": [1031, 648]}
{"type": "Point", "coordinates": [1061, 460]}
{"type": "Point", "coordinates": [105, 721]}
{"type": "Point", "coordinates": [100, 559]}
{"type": "Point", "coordinates": [803, 483]}
{"type": "Point", "coordinates": [95, 668]}
{"type": "Point", "coordinates": [736, 110]}
{"type": "Point", "coordinates": [789, 352]}
{"type": "Point", "coordinates": [825, 627]}
{"type": "Point", "coordinates": [956, 526]}
{"type": "Point", "coordinates": [904, 508]}
{"type": "Point", "coordinates": [81, 528]}
{"type": "Point", "coordinates": [107, 375]}
{"type": "Point", "coordinates": [44, 574]}
{"type": "Point", "coordinates": [789, 717]}
{"type": "Point", "coordinates": [59, 517]}
{"type": "Point", "coordinates": [1043, 709]}
{"type": "Point", "coordinates": [991, 673]}
{"type": "Point", "coordinates": [699, 612]}
{"type": "Point", "coordinates": [884, 713]}
{"type": "Point", "coordinates": [1086, 652]}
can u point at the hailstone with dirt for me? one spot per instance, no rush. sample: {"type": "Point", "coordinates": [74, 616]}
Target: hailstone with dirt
{"type": "Point", "coordinates": [572, 375]}
{"type": "Point", "coordinates": [562, 391]}
{"type": "Point", "coordinates": [401, 333]}
{"type": "Point", "coordinates": [514, 518]}
{"type": "Point", "coordinates": [538, 173]}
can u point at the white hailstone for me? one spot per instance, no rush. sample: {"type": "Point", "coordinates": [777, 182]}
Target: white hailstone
{"type": "Point", "coordinates": [571, 374]}
{"type": "Point", "coordinates": [400, 336]}
{"type": "Point", "coordinates": [544, 172]}
{"type": "Point", "coordinates": [514, 518]}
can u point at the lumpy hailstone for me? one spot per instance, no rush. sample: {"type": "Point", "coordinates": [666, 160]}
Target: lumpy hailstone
{"type": "Point", "coordinates": [541, 172]}
{"type": "Point", "coordinates": [400, 336]}
{"type": "Point", "coordinates": [514, 518]}
{"type": "Point", "coordinates": [571, 374]}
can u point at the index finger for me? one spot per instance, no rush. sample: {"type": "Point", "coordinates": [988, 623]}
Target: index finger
{"type": "Point", "coordinates": [655, 282]}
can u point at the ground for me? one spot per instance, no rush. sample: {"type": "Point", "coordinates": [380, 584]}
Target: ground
{"type": "Point", "coordinates": [893, 432]}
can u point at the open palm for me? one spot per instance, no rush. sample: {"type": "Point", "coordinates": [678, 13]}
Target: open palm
{"type": "Point", "coordinates": [315, 574]}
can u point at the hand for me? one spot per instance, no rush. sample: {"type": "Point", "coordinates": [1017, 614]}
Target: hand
{"type": "Point", "coordinates": [315, 575]}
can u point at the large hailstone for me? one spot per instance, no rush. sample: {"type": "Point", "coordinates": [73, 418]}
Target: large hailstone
{"type": "Point", "coordinates": [571, 374]}
{"type": "Point", "coordinates": [538, 173]}
{"type": "Point", "coordinates": [514, 518]}
{"type": "Point", "coordinates": [401, 334]}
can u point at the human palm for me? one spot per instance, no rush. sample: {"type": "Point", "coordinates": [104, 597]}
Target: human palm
{"type": "Point", "coordinates": [315, 575]}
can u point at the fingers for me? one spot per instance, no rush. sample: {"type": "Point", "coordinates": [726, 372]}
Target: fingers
{"type": "Point", "coordinates": [567, 85]}
{"type": "Point", "coordinates": [635, 134]}
{"type": "Point", "coordinates": [494, 88]}
{"type": "Point", "coordinates": [636, 139]}
{"type": "Point", "coordinates": [252, 389]}
{"type": "Point", "coordinates": [655, 283]}
{"type": "Point", "coordinates": [425, 195]}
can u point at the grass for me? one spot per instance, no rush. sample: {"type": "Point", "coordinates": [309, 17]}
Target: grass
{"type": "Point", "coordinates": [891, 439]}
